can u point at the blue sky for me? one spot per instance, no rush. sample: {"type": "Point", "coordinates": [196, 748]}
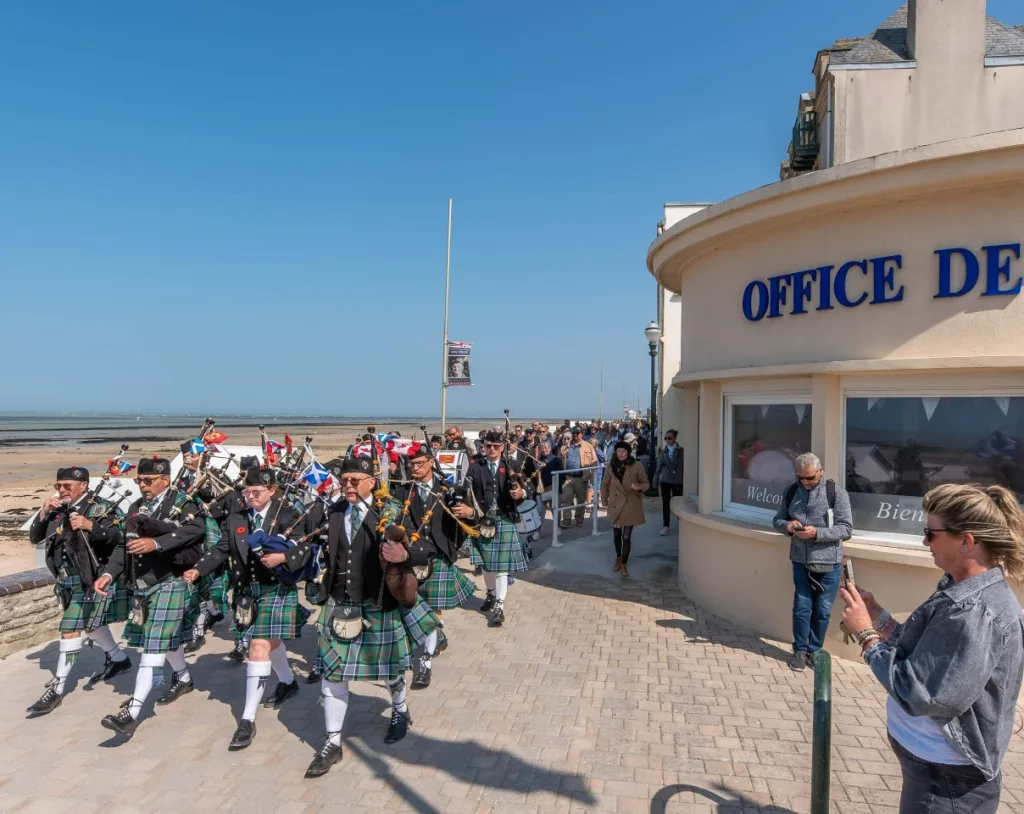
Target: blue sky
{"type": "Point", "coordinates": [195, 191]}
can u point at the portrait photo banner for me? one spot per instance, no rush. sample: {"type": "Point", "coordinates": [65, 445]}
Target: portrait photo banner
{"type": "Point", "coordinates": [458, 364]}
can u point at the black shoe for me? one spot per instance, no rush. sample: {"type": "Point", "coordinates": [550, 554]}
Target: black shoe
{"type": "Point", "coordinates": [497, 615]}
{"type": "Point", "coordinates": [282, 692]}
{"type": "Point", "coordinates": [326, 758]}
{"type": "Point", "coordinates": [123, 723]}
{"type": "Point", "coordinates": [213, 619]}
{"type": "Point", "coordinates": [488, 602]}
{"type": "Point", "coordinates": [400, 723]}
{"type": "Point", "coordinates": [177, 689]}
{"type": "Point", "coordinates": [47, 703]}
{"type": "Point", "coordinates": [478, 571]}
{"type": "Point", "coordinates": [314, 676]}
{"type": "Point", "coordinates": [243, 735]}
{"type": "Point", "coordinates": [240, 652]}
{"type": "Point", "coordinates": [195, 642]}
{"type": "Point", "coordinates": [110, 669]}
{"type": "Point", "coordinates": [798, 662]}
{"type": "Point", "coordinates": [421, 677]}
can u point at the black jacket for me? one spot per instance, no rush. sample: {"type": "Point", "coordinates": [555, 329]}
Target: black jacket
{"type": "Point", "coordinates": [175, 549]}
{"type": "Point", "coordinates": [486, 486]}
{"type": "Point", "coordinates": [354, 571]}
{"type": "Point", "coordinates": [233, 547]}
{"type": "Point", "coordinates": [442, 536]}
{"type": "Point", "coordinates": [54, 529]}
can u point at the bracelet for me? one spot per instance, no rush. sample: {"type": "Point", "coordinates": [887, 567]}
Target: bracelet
{"type": "Point", "coordinates": [866, 634]}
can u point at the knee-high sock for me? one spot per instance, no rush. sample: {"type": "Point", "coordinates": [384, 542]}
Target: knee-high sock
{"type": "Point", "coordinates": [176, 658]}
{"type": "Point", "coordinates": [211, 607]}
{"type": "Point", "coordinates": [397, 688]}
{"type": "Point", "coordinates": [69, 650]}
{"type": "Point", "coordinates": [256, 676]}
{"type": "Point", "coordinates": [148, 664]}
{"type": "Point", "coordinates": [335, 700]}
{"type": "Point", "coordinates": [489, 580]}
{"type": "Point", "coordinates": [500, 586]}
{"type": "Point", "coordinates": [279, 659]}
{"type": "Point", "coordinates": [429, 648]}
{"type": "Point", "coordinates": [199, 626]}
{"type": "Point", "coordinates": [105, 639]}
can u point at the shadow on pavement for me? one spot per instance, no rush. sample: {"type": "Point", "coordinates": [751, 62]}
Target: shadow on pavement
{"type": "Point", "coordinates": [733, 803]}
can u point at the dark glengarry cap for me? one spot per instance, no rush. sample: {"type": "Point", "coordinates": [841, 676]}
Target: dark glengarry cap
{"type": "Point", "coordinates": [247, 462]}
{"type": "Point", "coordinates": [78, 473]}
{"type": "Point", "coordinates": [419, 450]}
{"type": "Point", "coordinates": [335, 466]}
{"type": "Point", "coordinates": [259, 476]}
{"type": "Point", "coordinates": [494, 437]}
{"type": "Point", "coordinates": [155, 466]}
{"type": "Point", "coordinates": [360, 463]}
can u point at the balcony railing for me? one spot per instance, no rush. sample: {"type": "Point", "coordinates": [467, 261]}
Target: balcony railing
{"type": "Point", "coordinates": [805, 140]}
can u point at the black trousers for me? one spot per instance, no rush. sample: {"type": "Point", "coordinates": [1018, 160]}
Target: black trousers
{"type": "Point", "coordinates": [932, 788]}
{"type": "Point", "coordinates": [668, 491]}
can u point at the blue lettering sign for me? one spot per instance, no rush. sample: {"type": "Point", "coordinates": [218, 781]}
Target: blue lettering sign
{"type": "Point", "coordinates": [761, 290]}
{"type": "Point", "coordinates": [971, 272]}
{"type": "Point", "coordinates": [842, 297]}
{"type": "Point", "coordinates": [884, 268]}
{"type": "Point", "coordinates": [778, 285]}
{"type": "Point", "coordinates": [998, 269]}
{"type": "Point", "coordinates": [825, 289]}
{"type": "Point", "coordinates": [802, 289]}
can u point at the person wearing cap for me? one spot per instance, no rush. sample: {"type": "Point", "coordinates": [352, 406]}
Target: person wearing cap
{"type": "Point", "coordinates": [265, 607]}
{"type": "Point", "coordinates": [576, 455]}
{"type": "Point", "coordinates": [446, 587]}
{"type": "Point", "coordinates": [153, 566]}
{"type": "Point", "coordinates": [358, 558]}
{"type": "Point", "coordinates": [497, 494]}
{"type": "Point", "coordinates": [76, 510]}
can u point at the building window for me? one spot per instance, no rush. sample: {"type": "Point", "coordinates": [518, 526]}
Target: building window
{"type": "Point", "coordinates": [763, 439]}
{"type": "Point", "coordinates": [899, 448]}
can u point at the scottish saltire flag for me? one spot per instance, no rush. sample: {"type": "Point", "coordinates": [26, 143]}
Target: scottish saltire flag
{"type": "Point", "coordinates": [315, 475]}
{"type": "Point", "coordinates": [119, 467]}
{"type": "Point", "coordinates": [197, 447]}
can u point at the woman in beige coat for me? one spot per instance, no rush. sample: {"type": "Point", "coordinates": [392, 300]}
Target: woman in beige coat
{"type": "Point", "coordinates": [622, 489]}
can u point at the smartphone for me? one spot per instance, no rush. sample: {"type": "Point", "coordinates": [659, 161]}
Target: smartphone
{"type": "Point", "coordinates": [798, 526]}
{"type": "Point", "coordinates": [848, 572]}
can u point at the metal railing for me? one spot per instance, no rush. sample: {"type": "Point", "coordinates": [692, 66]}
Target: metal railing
{"type": "Point", "coordinates": [556, 494]}
{"type": "Point", "coordinates": [821, 739]}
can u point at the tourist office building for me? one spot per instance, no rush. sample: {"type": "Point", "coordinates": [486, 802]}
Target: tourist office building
{"type": "Point", "coordinates": [868, 308]}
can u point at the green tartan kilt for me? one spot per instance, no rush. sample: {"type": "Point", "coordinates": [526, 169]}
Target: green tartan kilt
{"type": "Point", "coordinates": [503, 553]}
{"type": "Point", "coordinates": [447, 587]}
{"type": "Point", "coordinates": [88, 610]}
{"type": "Point", "coordinates": [278, 613]}
{"type": "Point", "coordinates": [207, 589]}
{"type": "Point", "coordinates": [168, 602]}
{"type": "Point", "coordinates": [381, 652]}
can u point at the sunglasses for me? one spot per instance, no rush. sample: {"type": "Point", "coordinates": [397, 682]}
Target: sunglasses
{"type": "Point", "coordinates": [493, 446]}
{"type": "Point", "coordinates": [65, 485]}
{"type": "Point", "coordinates": [146, 481]}
{"type": "Point", "coordinates": [929, 534]}
{"type": "Point", "coordinates": [353, 481]}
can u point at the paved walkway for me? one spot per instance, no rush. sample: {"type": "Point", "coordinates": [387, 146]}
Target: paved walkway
{"type": "Point", "coordinates": [600, 694]}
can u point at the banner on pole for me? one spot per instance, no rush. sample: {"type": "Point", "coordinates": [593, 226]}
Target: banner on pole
{"type": "Point", "coordinates": [458, 364]}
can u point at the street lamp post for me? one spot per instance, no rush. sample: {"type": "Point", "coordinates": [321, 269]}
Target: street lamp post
{"type": "Point", "coordinates": [653, 334]}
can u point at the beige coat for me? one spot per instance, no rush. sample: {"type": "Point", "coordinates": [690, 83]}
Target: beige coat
{"type": "Point", "coordinates": [625, 505]}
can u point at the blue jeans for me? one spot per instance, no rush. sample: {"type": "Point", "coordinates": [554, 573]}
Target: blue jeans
{"type": "Point", "coordinates": [812, 606]}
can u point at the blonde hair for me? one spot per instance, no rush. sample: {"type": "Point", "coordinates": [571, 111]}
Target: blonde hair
{"type": "Point", "coordinates": [991, 514]}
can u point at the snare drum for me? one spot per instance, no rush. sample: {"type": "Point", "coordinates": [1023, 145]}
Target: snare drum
{"type": "Point", "coordinates": [529, 517]}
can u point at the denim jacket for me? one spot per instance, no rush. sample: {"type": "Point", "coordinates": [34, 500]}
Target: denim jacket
{"type": "Point", "coordinates": [959, 658]}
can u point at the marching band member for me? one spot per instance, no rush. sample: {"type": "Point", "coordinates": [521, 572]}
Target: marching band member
{"type": "Point", "coordinates": [446, 587]}
{"type": "Point", "coordinates": [77, 511]}
{"type": "Point", "coordinates": [364, 634]}
{"type": "Point", "coordinates": [497, 494]}
{"type": "Point", "coordinates": [154, 566]}
{"type": "Point", "coordinates": [265, 607]}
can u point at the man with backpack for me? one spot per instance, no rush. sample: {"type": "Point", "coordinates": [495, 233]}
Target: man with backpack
{"type": "Point", "coordinates": [816, 515]}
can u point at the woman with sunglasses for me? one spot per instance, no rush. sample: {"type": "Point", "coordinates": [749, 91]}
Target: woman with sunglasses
{"type": "Point", "coordinates": [953, 670]}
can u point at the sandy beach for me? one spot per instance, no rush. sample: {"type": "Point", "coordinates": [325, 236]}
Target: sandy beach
{"type": "Point", "coordinates": [28, 466]}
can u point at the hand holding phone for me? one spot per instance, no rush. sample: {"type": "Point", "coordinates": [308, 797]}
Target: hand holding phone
{"type": "Point", "coordinates": [848, 576]}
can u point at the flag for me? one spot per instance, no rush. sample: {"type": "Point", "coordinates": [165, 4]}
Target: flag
{"type": "Point", "coordinates": [329, 485]}
{"type": "Point", "coordinates": [315, 475]}
{"type": "Point", "coordinates": [273, 446]}
{"type": "Point", "coordinates": [457, 364]}
{"type": "Point", "coordinates": [115, 466]}
{"type": "Point", "coordinates": [215, 437]}
{"type": "Point", "coordinates": [197, 447]}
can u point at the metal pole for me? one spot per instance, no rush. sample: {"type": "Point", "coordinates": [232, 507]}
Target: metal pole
{"type": "Point", "coordinates": [600, 409]}
{"type": "Point", "coordinates": [653, 456]}
{"type": "Point", "coordinates": [821, 739]}
{"type": "Point", "coordinates": [444, 349]}
{"type": "Point", "coordinates": [597, 503]}
{"type": "Point", "coordinates": [555, 517]}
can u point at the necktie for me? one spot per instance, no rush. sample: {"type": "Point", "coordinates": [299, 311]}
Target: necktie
{"type": "Point", "coordinates": [357, 518]}
{"type": "Point", "coordinates": [424, 490]}
{"type": "Point", "coordinates": [257, 521]}
{"type": "Point", "coordinates": [494, 468]}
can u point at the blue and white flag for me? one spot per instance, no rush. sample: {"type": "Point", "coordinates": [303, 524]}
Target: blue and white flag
{"type": "Point", "coordinates": [197, 447]}
{"type": "Point", "coordinates": [315, 475]}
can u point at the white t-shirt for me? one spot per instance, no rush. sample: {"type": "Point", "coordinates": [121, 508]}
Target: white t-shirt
{"type": "Point", "coordinates": [921, 736]}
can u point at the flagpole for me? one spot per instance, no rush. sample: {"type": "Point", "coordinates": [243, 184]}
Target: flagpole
{"type": "Point", "coordinates": [444, 349]}
{"type": "Point", "coordinates": [600, 409]}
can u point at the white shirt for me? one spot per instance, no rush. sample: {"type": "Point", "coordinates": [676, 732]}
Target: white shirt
{"type": "Point", "coordinates": [365, 510]}
{"type": "Point", "coordinates": [258, 516]}
{"type": "Point", "coordinates": [921, 736]}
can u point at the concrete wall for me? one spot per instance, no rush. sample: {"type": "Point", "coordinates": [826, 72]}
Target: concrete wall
{"type": "Point", "coordinates": [29, 612]}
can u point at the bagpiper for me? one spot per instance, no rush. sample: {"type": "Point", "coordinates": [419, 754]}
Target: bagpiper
{"type": "Point", "coordinates": [366, 632]}
{"type": "Point", "coordinates": [163, 537]}
{"type": "Point", "coordinates": [80, 531]}
{"type": "Point", "coordinates": [445, 586]}
{"type": "Point", "coordinates": [498, 550]}
{"type": "Point", "coordinates": [266, 605]}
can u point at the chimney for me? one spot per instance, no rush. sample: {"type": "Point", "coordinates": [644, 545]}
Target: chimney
{"type": "Point", "coordinates": [940, 30]}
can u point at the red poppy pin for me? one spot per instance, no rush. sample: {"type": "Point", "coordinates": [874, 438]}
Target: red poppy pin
{"type": "Point", "coordinates": [502, 470]}
{"type": "Point", "coordinates": [240, 530]}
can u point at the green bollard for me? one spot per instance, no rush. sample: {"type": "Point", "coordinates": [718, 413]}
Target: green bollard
{"type": "Point", "coordinates": [821, 745]}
